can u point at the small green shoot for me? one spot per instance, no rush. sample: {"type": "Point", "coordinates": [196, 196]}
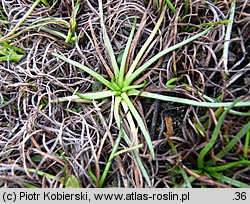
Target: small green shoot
{"type": "Point", "coordinates": [246, 146]}
{"type": "Point", "coordinates": [105, 172]}
{"type": "Point", "coordinates": [169, 83]}
{"type": "Point", "coordinates": [188, 29]}
{"type": "Point", "coordinates": [46, 3]}
{"type": "Point", "coordinates": [92, 175]}
{"type": "Point", "coordinates": [72, 182]}
{"type": "Point", "coordinates": [213, 139]}
{"type": "Point", "coordinates": [10, 52]}
{"type": "Point", "coordinates": [71, 33]}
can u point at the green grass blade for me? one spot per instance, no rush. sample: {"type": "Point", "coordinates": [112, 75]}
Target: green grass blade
{"type": "Point", "coordinates": [183, 172]}
{"type": "Point", "coordinates": [54, 32]}
{"type": "Point", "coordinates": [45, 3]}
{"type": "Point", "coordinates": [92, 175]}
{"type": "Point", "coordinates": [111, 157]}
{"type": "Point", "coordinates": [138, 161]}
{"type": "Point", "coordinates": [107, 41]}
{"type": "Point", "coordinates": [125, 56]}
{"type": "Point", "coordinates": [246, 146]}
{"type": "Point", "coordinates": [231, 144]}
{"type": "Point", "coordinates": [86, 69]}
{"type": "Point", "coordinates": [186, 7]}
{"type": "Point", "coordinates": [129, 143]}
{"type": "Point", "coordinates": [129, 79]}
{"type": "Point", "coordinates": [72, 182]}
{"type": "Point", "coordinates": [132, 127]}
{"type": "Point", "coordinates": [228, 34]}
{"type": "Point", "coordinates": [146, 44]}
{"type": "Point", "coordinates": [214, 137]}
{"type": "Point", "coordinates": [95, 95]}
{"type": "Point", "coordinates": [50, 20]}
{"type": "Point", "coordinates": [128, 149]}
{"type": "Point", "coordinates": [228, 166]}
{"type": "Point", "coordinates": [208, 24]}
{"type": "Point", "coordinates": [11, 47]}
{"type": "Point", "coordinates": [140, 123]}
{"type": "Point", "coordinates": [86, 97]}
{"type": "Point", "coordinates": [186, 101]}
{"type": "Point", "coordinates": [41, 173]}
{"type": "Point", "coordinates": [116, 110]}
{"type": "Point", "coordinates": [239, 113]}
{"type": "Point", "coordinates": [12, 57]}
{"type": "Point", "coordinates": [225, 179]}
{"type": "Point", "coordinates": [170, 81]}
{"type": "Point", "coordinates": [138, 86]}
{"type": "Point", "coordinates": [171, 6]}
{"type": "Point", "coordinates": [73, 22]}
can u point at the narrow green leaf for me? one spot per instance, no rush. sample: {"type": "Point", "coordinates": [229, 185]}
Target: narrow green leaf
{"type": "Point", "coordinates": [107, 41]}
{"type": "Point", "coordinates": [186, 101]}
{"type": "Point", "coordinates": [95, 95]}
{"type": "Point", "coordinates": [239, 113]}
{"type": "Point", "coordinates": [50, 20]}
{"type": "Point", "coordinates": [13, 58]}
{"type": "Point", "coordinates": [125, 56]}
{"type": "Point", "coordinates": [170, 81]}
{"type": "Point", "coordinates": [228, 166]}
{"type": "Point", "coordinates": [129, 143]}
{"type": "Point", "coordinates": [129, 79]}
{"type": "Point", "coordinates": [11, 47]}
{"type": "Point", "coordinates": [116, 110]}
{"type": "Point", "coordinates": [231, 144]}
{"type": "Point", "coordinates": [45, 3]}
{"type": "Point", "coordinates": [41, 173]}
{"type": "Point", "coordinates": [214, 136]}
{"type": "Point", "coordinates": [132, 127]}
{"type": "Point", "coordinates": [183, 172]}
{"type": "Point", "coordinates": [54, 32]}
{"type": "Point", "coordinates": [246, 146]}
{"type": "Point", "coordinates": [128, 149]}
{"type": "Point", "coordinates": [124, 89]}
{"type": "Point", "coordinates": [199, 128]}
{"type": "Point", "coordinates": [86, 69]}
{"type": "Point", "coordinates": [171, 6]}
{"type": "Point", "coordinates": [145, 46]}
{"type": "Point", "coordinates": [73, 22]}
{"type": "Point", "coordinates": [140, 123]}
{"type": "Point", "coordinates": [111, 157]}
{"type": "Point", "coordinates": [225, 179]}
{"type": "Point", "coordinates": [94, 178]}
{"type": "Point", "coordinates": [72, 182]}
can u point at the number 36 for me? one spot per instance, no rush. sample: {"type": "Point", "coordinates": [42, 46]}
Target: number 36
{"type": "Point", "coordinates": [240, 196]}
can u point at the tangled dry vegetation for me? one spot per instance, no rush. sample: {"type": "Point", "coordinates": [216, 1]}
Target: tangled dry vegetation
{"type": "Point", "coordinates": [47, 143]}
